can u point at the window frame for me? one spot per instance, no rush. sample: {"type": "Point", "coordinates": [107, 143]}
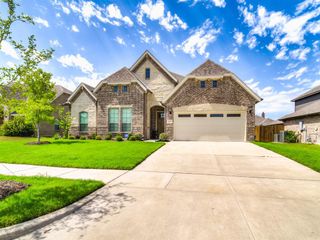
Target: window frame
{"type": "Point", "coordinates": [124, 87]}
{"type": "Point", "coordinates": [216, 115]}
{"type": "Point", "coordinates": [233, 115]}
{"type": "Point", "coordinates": [202, 82]}
{"type": "Point", "coordinates": [147, 73]}
{"type": "Point", "coordinates": [118, 122]}
{"type": "Point", "coordinates": [200, 115]}
{"type": "Point", "coordinates": [115, 88]}
{"type": "Point", "coordinates": [56, 125]}
{"type": "Point", "coordinates": [214, 83]}
{"type": "Point", "coordinates": [183, 115]}
{"type": "Point", "coordinates": [83, 127]}
{"type": "Point", "coordinates": [121, 119]}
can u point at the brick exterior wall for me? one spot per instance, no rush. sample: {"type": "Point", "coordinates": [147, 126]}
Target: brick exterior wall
{"type": "Point", "coordinates": [134, 98]}
{"type": "Point", "coordinates": [228, 92]}
{"type": "Point", "coordinates": [83, 103]}
{"type": "Point", "coordinates": [312, 125]}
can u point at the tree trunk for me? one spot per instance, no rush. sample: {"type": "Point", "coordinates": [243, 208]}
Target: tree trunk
{"type": "Point", "coordinates": [38, 133]}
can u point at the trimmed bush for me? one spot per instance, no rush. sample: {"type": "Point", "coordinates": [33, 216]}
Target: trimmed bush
{"type": "Point", "coordinates": [71, 137]}
{"type": "Point", "coordinates": [119, 138]}
{"type": "Point", "coordinates": [77, 137]}
{"type": "Point", "coordinates": [163, 137]}
{"type": "Point", "coordinates": [83, 137]}
{"type": "Point", "coordinates": [139, 137]}
{"type": "Point", "coordinates": [17, 127]}
{"type": "Point", "coordinates": [93, 136]}
{"type": "Point", "coordinates": [108, 136]}
{"type": "Point", "coordinates": [98, 137]}
{"type": "Point", "coordinates": [290, 137]}
{"type": "Point", "coordinates": [132, 138]}
{"type": "Point", "coordinates": [56, 136]}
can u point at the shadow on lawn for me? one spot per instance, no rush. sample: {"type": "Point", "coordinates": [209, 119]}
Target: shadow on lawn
{"type": "Point", "coordinates": [98, 211]}
{"type": "Point", "coordinates": [67, 142]}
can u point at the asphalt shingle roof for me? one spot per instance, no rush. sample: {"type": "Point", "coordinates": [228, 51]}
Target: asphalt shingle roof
{"type": "Point", "coordinates": [309, 109]}
{"type": "Point", "coordinates": [209, 68]}
{"type": "Point", "coordinates": [311, 92]}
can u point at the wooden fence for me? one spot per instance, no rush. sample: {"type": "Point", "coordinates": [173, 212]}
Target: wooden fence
{"type": "Point", "coordinates": [266, 133]}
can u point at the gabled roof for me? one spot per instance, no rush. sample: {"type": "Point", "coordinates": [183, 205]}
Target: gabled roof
{"type": "Point", "coordinates": [211, 70]}
{"type": "Point", "coordinates": [81, 87]}
{"type": "Point", "coordinates": [309, 93]}
{"type": "Point", "coordinates": [261, 121]}
{"type": "Point", "coordinates": [146, 55]}
{"type": "Point", "coordinates": [177, 76]}
{"type": "Point", "coordinates": [60, 90]}
{"type": "Point", "coordinates": [309, 109]}
{"type": "Point", "coordinates": [122, 76]}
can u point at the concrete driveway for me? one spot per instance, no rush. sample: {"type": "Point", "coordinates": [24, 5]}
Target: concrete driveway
{"type": "Point", "coordinates": [202, 190]}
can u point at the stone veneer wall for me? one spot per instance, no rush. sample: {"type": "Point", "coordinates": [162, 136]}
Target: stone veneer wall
{"type": "Point", "coordinates": [227, 92]}
{"type": "Point", "coordinates": [311, 123]}
{"type": "Point", "coordinates": [135, 98]}
{"type": "Point", "coordinates": [83, 103]}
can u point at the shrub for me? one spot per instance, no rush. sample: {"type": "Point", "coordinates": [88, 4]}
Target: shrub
{"type": "Point", "coordinates": [93, 136]}
{"type": "Point", "coordinates": [71, 137]}
{"type": "Point", "coordinates": [108, 136]}
{"type": "Point", "coordinates": [83, 137]}
{"type": "Point", "coordinates": [77, 137]}
{"type": "Point", "coordinates": [132, 138]}
{"type": "Point", "coordinates": [138, 136]}
{"type": "Point", "coordinates": [17, 127]}
{"type": "Point", "coordinates": [163, 137]}
{"type": "Point", "coordinates": [98, 137]}
{"type": "Point", "coordinates": [119, 138]}
{"type": "Point", "coordinates": [290, 137]}
{"type": "Point", "coordinates": [56, 136]}
{"type": "Point", "coordinates": [129, 135]}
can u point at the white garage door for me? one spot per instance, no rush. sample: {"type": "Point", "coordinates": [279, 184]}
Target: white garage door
{"type": "Point", "coordinates": [210, 126]}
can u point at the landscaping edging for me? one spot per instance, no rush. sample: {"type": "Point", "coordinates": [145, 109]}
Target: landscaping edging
{"type": "Point", "coordinates": [24, 228]}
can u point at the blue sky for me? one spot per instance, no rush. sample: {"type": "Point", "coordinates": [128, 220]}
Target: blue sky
{"type": "Point", "coordinates": [271, 45]}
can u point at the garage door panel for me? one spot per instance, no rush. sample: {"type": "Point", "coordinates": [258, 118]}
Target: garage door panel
{"type": "Point", "coordinates": [209, 128]}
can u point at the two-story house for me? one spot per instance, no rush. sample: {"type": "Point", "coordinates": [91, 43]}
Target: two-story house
{"type": "Point", "coordinates": [305, 119]}
{"type": "Point", "coordinates": [210, 103]}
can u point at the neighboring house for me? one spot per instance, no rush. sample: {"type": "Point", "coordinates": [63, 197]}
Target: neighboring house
{"type": "Point", "coordinates": [46, 129]}
{"type": "Point", "coordinates": [305, 120]}
{"type": "Point", "coordinates": [210, 103]}
{"type": "Point", "coordinates": [266, 129]}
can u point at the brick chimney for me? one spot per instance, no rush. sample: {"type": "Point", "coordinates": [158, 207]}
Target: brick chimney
{"type": "Point", "coordinates": [263, 115]}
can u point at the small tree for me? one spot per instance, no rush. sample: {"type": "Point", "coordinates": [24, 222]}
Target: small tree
{"type": "Point", "coordinates": [65, 121]}
{"type": "Point", "coordinates": [38, 92]}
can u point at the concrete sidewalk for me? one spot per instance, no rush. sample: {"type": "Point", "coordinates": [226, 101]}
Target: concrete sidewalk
{"type": "Point", "coordinates": [74, 173]}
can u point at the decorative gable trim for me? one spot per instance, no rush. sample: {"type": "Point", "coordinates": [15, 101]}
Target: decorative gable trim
{"type": "Point", "coordinates": [81, 87]}
{"type": "Point", "coordinates": [145, 56]}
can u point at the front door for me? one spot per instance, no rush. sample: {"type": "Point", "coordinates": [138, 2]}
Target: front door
{"type": "Point", "coordinates": [160, 123]}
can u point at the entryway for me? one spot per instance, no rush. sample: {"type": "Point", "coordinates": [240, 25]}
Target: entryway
{"type": "Point", "coordinates": [157, 121]}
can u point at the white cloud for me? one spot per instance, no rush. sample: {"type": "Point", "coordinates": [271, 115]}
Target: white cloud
{"type": "Point", "coordinates": [156, 12]}
{"type": "Point", "coordinates": [120, 41]}
{"type": "Point", "coordinates": [238, 36]}
{"type": "Point", "coordinates": [274, 101]}
{"type": "Point", "coordinates": [314, 27]}
{"type": "Point", "coordinates": [62, 6]}
{"type": "Point", "coordinates": [76, 61]}
{"type": "Point", "coordinates": [252, 42]}
{"type": "Point", "coordinates": [199, 39]}
{"type": "Point", "coordinates": [92, 13]}
{"type": "Point", "coordinates": [271, 47]}
{"type": "Point", "coordinates": [55, 43]}
{"type": "Point", "coordinates": [300, 53]}
{"type": "Point", "coordinates": [41, 21]}
{"type": "Point", "coordinates": [282, 54]}
{"type": "Point", "coordinates": [233, 57]}
{"type": "Point", "coordinates": [216, 3]}
{"type": "Point", "coordinates": [7, 49]}
{"type": "Point", "coordinates": [307, 4]}
{"type": "Point", "coordinates": [74, 28]}
{"type": "Point", "coordinates": [294, 74]}
{"type": "Point", "coordinates": [149, 39]}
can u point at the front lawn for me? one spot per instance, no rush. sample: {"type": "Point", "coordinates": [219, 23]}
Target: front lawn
{"type": "Point", "coordinates": [76, 153]}
{"type": "Point", "coordinates": [44, 195]}
{"type": "Point", "coordinates": [306, 154]}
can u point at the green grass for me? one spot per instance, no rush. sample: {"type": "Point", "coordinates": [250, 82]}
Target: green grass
{"type": "Point", "coordinates": [306, 154]}
{"type": "Point", "coordinates": [76, 153]}
{"type": "Point", "coordinates": [44, 195]}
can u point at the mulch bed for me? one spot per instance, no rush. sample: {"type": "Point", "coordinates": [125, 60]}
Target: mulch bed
{"type": "Point", "coordinates": [36, 143]}
{"type": "Point", "coordinates": [9, 187]}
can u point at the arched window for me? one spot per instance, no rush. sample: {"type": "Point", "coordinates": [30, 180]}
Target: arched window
{"type": "Point", "coordinates": [83, 121]}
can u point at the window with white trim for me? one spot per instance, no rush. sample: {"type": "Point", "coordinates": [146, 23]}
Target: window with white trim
{"type": "Point", "coordinates": [113, 119]}
{"type": "Point", "coordinates": [126, 119]}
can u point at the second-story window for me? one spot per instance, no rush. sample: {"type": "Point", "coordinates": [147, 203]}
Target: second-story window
{"type": "Point", "coordinates": [148, 73]}
{"type": "Point", "coordinates": [214, 83]}
{"type": "Point", "coordinates": [124, 88]}
{"type": "Point", "coordinates": [202, 84]}
{"type": "Point", "coordinates": [115, 88]}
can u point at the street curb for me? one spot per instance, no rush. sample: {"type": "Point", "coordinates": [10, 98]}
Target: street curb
{"type": "Point", "coordinates": [24, 228]}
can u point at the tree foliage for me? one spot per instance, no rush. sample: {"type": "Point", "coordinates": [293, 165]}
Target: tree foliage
{"type": "Point", "coordinates": [64, 120]}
